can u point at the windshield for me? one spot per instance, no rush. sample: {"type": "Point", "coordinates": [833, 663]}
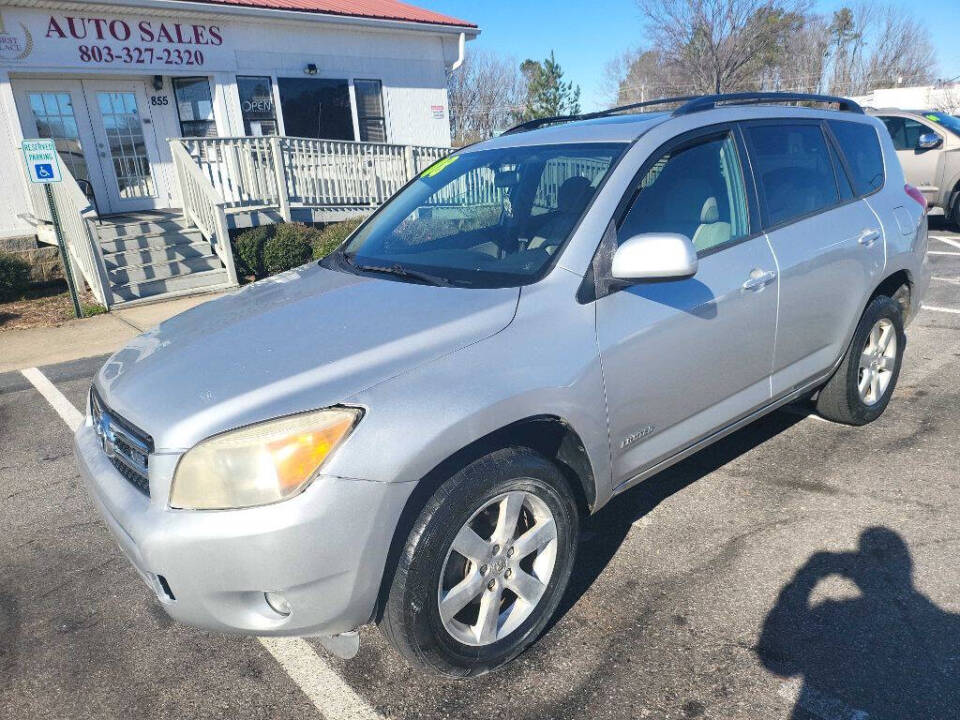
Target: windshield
{"type": "Point", "coordinates": [948, 121]}
{"type": "Point", "coordinates": [488, 218]}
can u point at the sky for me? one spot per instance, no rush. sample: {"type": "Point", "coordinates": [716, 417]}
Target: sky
{"type": "Point", "coordinates": [586, 34]}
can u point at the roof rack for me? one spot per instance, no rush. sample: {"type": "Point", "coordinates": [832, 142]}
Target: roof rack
{"type": "Point", "coordinates": [557, 119]}
{"type": "Point", "coordinates": [709, 102]}
{"type": "Point", "coordinates": [695, 103]}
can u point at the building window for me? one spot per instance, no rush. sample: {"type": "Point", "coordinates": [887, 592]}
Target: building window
{"type": "Point", "coordinates": [316, 108]}
{"type": "Point", "coordinates": [195, 106]}
{"type": "Point", "coordinates": [257, 106]}
{"type": "Point", "coordinates": [373, 126]}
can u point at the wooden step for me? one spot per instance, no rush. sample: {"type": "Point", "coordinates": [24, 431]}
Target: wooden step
{"type": "Point", "coordinates": [153, 241]}
{"type": "Point", "coordinates": [107, 230]}
{"type": "Point", "coordinates": [163, 269]}
{"type": "Point", "coordinates": [154, 255]}
{"type": "Point", "coordinates": [209, 280]}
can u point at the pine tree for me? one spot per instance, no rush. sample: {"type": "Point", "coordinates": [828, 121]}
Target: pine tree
{"type": "Point", "coordinates": [547, 93]}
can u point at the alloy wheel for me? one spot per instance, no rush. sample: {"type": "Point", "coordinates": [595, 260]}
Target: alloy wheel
{"type": "Point", "coordinates": [497, 568]}
{"type": "Point", "coordinates": [878, 359]}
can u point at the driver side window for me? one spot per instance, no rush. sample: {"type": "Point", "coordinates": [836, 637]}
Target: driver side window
{"type": "Point", "coordinates": [904, 131]}
{"type": "Point", "coordinates": [696, 190]}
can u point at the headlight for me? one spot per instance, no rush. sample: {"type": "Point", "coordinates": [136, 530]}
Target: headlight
{"type": "Point", "coordinates": [259, 464]}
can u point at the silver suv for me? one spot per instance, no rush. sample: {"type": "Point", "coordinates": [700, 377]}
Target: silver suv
{"type": "Point", "coordinates": [928, 145]}
{"type": "Point", "coordinates": [411, 430]}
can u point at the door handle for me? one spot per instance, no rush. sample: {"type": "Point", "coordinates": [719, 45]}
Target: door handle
{"type": "Point", "coordinates": [759, 279]}
{"type": "Point", "coordinates": [868, 237]}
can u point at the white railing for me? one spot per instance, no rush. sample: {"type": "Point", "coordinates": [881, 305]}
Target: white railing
{"type": "Point", "coordinates": [77, 216]}
{"type": "Point", "coordinates": [280, 172]}
{"type": "Point", "coordinates": [203, 207]}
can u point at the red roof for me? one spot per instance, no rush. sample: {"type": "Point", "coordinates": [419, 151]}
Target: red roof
{"type": "Point", "coordinates": [379, 9]}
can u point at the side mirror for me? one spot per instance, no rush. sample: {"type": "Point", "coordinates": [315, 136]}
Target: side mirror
{"type": "Point", "coordinates": [655, 256]}
{"type": "Point", "coordinates": [929, 141]}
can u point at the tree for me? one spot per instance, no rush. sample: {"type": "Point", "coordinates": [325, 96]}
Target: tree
{"type": "Point", "coordinates": [720, 44]}
{"type": "Point", "coordinates": [639, 75]}
{"type": "Point", "coordinates": [706, 46]}
{"type": "Point", "coordinates": [547, 93]}
{"type": "Point", "coordinates": [486, 94]}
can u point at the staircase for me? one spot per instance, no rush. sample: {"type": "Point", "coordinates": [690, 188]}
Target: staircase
{"type": "Point", "coordinates": [154, 255]}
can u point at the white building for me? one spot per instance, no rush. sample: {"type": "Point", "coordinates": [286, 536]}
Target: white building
{"type": "Point", "coordinates": [113, 81]}
{"type": "Point", "coordinates": [945, 98]}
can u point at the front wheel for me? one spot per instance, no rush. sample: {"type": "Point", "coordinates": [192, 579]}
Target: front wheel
{"type": "Point", "coordinates": [485, 565]}
{"type": "Point", "coordinates": [861, 388]}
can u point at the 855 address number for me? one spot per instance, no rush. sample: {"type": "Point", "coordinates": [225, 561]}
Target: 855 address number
{"type": "Point", "coordinates": [135, 55]}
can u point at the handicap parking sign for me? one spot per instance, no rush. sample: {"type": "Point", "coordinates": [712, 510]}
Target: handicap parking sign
{"type": "Point", "coordinates": [43, 163]}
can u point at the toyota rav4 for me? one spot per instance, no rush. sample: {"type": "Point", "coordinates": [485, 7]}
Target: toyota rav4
{"type": "Point", "coordinates": [410, 431]}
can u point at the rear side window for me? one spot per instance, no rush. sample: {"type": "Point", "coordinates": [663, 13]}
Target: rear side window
{"type": "Point", "coordinates": [793, 168]}
{"type": "Point", "coordinates": [861, 147]}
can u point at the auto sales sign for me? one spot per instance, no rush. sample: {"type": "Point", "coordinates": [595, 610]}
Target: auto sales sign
{"type": "Point", "coordinates": [128, 43]}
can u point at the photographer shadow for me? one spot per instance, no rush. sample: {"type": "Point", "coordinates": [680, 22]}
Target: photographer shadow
{"type": "Point", "coordinates": [882, 650]}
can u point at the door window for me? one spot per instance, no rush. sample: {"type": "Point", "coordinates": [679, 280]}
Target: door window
{"type": "Point", "coordinates": [257, 106]}
{"type": "Point", "coordinates": [370, 117]}
{"type": "Point", "coordinates": [55, 118]}
{"type": "Point", "coordinates": [195, 107]}
{"type": "Point", "coordinates": [861, 147]}
{"type": "Point", "coordinates": [904, 131]}
{"type": "Point", "coordinates": [128, 148]}
{"type": "Point", "coordinates": [696, 190]}
{"type": "Point", "coordinates": [794, 170]}
{"type": "Point", "coordinates": [316, 108]}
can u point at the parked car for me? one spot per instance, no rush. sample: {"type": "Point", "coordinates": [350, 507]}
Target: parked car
{"type": "Point", "coordinates": [411, 430]}
{"type": "Point", "coordinates": [928, 145]}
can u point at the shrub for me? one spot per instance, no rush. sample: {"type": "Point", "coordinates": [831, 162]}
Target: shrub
{"type": "Point", "coordinates": [248, 250]}
{"type": "Point", "coordinates": [332, 235]}
{"type": "Point", "coordinates": [288, 248]}
{"type": "Point", "coordinates": [14, 276]}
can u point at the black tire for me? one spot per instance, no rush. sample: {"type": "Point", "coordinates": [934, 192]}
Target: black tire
{"type": "Point", "coordinates": [411, 617]}
{"type": "Point", "coordinates": [840, 400]}
{"type": "Point", "coordinates": [953, 214]}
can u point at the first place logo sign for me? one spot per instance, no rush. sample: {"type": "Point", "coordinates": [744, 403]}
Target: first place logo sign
{"type": "Point", "coordinates": [43, 163]}
{"type": "Point", "coordinates": [15, 47]}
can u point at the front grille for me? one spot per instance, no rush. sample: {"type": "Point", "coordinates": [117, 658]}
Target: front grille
{"type": "Point", "coordinates": [127, 447]}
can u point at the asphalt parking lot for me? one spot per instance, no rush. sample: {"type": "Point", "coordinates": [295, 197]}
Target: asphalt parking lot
{"type": "Point", "coordinates": [797, 569]}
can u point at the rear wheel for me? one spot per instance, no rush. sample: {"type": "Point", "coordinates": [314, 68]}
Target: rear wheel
{"type": "Point", "coordinates": [485, 565]}
{"type": "Point", "coordinates": [861, 388]}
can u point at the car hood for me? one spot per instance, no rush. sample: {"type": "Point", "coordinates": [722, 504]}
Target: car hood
{"type": "Point", "coordinates": [305, 339]}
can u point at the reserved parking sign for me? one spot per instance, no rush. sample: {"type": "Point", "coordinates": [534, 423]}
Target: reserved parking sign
{"type": "Point", "coordinates": [43, 163]}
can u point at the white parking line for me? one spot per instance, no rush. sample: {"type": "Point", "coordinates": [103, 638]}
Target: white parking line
{"type": "Point", "coordinates": [942, 252]}
{"type": "Point", "coordinates": [801, 412]}
{"type": "Point", "coordinates": [949, 241]}
{"type": "Point", "coordinates": [952, 281]}
{"type": "Point", "coordinates": [333, 698]}
{"type": "Point", "coordinates": [953, 311]}
{"type": "Point", "coordinates": [65, 409]}
{"type": "Point", "coordinates": [328, 692]}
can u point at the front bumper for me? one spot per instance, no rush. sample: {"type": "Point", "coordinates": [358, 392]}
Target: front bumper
{"type": "Point", "coordinates": [325, 550]}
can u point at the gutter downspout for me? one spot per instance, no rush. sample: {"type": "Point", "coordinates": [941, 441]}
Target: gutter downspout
{"type": "Point", "coordinates": [461, 44]}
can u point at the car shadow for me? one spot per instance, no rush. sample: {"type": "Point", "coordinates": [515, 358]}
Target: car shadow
{"type": "Point", "coordinates": [603, 533]}
{"type": "Point", "coordinates": [863, 641]}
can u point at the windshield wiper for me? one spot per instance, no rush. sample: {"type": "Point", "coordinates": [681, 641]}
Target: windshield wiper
{"type": "Point", "coordinates": [401, 271]}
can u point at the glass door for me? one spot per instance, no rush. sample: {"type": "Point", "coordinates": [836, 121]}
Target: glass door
{"type": "Point", "coordinates": [57, 109]}
{"type": "Point", "coordinates": [126, 144]}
